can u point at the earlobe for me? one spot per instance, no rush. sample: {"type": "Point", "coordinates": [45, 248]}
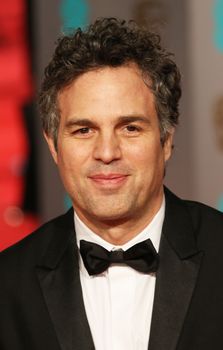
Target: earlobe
{"type": "Point", "coordinates": [51, 146]}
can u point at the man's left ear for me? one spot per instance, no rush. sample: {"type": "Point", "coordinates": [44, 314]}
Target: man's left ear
{"type": "Point", "coordinates": [168, 145]}
{"type": "Point", "coordinates": [51, 146]}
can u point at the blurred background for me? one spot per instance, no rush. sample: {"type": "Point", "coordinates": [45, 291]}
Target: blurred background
{"type": "Point", "coordinates": [30, 190]}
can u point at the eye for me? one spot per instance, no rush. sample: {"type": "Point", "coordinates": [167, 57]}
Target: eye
{"type": "Point", "coordinates": [132, 128]}
{"type": "Point", "coordinates": [83, 131]}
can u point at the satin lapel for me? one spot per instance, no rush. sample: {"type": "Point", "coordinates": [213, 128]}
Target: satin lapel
{"type": "Point", "coordinates": [176, 277]}
{"type": "Point", "coordinates": [59, 279]}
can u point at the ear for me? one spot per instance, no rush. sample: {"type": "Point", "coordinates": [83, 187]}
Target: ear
{"type": "Point", "coordinates": [168, 145]}
{"type": "Point", "coordinates": [51, 146]}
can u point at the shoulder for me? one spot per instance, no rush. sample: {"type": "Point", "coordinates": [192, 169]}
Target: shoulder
{"type": "Point", "coordinates": [208, 223]}
{"type": "Point", "coordinates": [34, 246]}
{"type": "Point", "coordinates": [205, 221]}
{"type": "Point", "coordinates": [195, 209]}
{"type": "Point", "coordinates": [203, 214]}
{"type": "Point", "coordinates": [19, 262]}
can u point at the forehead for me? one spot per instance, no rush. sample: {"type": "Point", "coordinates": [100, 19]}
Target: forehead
{"type": "Point", "coordinates": [120, 90]}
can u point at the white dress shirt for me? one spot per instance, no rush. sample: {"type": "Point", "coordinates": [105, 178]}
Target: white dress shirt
{"type": "Point", "coordinates": [119, 301]}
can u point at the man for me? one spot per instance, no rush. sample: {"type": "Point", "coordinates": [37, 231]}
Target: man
{"type": "Point", "coordinates": [131, 266]}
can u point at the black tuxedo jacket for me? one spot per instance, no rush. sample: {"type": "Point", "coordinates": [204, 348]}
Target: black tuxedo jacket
{"type": "Point", "coordinates": [41, 299]}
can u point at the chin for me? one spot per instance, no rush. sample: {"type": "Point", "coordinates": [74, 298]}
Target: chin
{"type": "Point", "coordinates": [111, 216]}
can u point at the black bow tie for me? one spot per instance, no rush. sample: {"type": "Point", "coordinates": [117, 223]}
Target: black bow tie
{"type": "Point", "coordinates": [141, 257]}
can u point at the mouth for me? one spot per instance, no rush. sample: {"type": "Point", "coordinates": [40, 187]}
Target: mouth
{"type": "Point", "coordinates": [113, 179]}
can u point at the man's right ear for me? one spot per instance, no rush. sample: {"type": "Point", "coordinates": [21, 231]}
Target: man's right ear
{"type": "Point", "coordinates": [51, 146]}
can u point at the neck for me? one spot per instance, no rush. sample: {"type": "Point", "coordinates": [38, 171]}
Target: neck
{"type": "Point", "coordinates": [120, 230]}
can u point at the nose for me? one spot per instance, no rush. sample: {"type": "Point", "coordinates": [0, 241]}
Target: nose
{"type": "Point", "coordinates": [107, 148]}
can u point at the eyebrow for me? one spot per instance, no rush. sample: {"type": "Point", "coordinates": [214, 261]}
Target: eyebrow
{"type": "Point", "coordinates": [121, 120]}
{"type": "Point", "coordinates": [78, 122]}
{"type": "Point", "coordinates": [133, 118]}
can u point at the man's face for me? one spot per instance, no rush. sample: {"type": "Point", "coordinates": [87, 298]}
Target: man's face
{"type": "Point", "coordinates": [109, 152]}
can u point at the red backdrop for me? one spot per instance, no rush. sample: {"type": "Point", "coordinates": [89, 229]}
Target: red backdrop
{"type": "Point", "coordinates": [15, 91]}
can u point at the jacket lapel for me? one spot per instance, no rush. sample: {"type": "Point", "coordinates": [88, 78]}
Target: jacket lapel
{"type": "Point", "coordinates": [58, 274]}
{"type": "Point", "coordinates": [177, 275]}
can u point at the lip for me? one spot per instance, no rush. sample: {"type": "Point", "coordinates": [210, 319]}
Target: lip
{"type": "Point", "coordinates": [109, 179]}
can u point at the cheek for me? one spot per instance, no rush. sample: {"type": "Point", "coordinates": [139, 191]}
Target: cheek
{"type": "Point", "coordinates": [72, 156]}
{"type": "Point", "coordinates": [145, 153]}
